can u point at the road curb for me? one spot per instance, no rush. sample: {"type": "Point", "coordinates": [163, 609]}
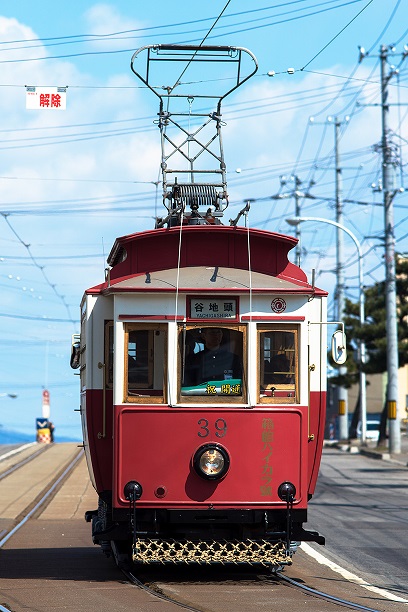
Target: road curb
{"type": "Point", "coordinates": [347, 447]}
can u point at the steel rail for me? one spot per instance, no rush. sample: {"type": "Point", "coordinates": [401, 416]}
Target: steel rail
{"type": "Point", "coordinates": [137, 583]}
{"type": "Point", "coordinates": [323, 595]}
{"type": "Point", "coordinates": [44, 497]}
{"type": "Point", "coordinates": [23, 462]}
{"type": "Point", "coordinates": [314, 592]}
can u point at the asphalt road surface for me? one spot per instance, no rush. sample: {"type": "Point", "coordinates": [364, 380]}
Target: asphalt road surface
{"type": "Point", "coordinates": [361, 506]}
{"type": "Point", "coordinates": [51, 564]}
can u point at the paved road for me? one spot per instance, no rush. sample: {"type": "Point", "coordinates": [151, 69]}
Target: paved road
{"type": "Point", "coordinates": [5, 449]}
{"type": "Point", "coordinates": [51, 564]}
{"type": "Point", "coordinates": [361, 506]}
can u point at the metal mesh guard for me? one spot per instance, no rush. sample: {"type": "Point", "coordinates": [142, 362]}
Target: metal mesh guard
{"type": "Point", "coordinates": [209, 552]}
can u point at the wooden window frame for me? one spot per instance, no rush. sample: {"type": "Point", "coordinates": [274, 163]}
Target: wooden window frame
{"type": "Point", "coordinates": [145, 398]}
{"type": "Point", "coordinates": [109, 354]}
{"type": "Point", "coordinates": [219, 400]}
{"type": "Point", "coordinates": [280, 388]}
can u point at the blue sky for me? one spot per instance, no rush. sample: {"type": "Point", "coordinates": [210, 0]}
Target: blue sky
{"type": "Point", "coordinates": [71, 181]}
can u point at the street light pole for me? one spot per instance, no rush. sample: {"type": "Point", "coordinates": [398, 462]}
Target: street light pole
{"type": "Point", "coordinates": [342, 393]}
{"type": "Point", "coordinates": [362, 377]}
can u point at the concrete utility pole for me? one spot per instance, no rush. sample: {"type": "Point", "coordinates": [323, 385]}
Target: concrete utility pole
{"type": "Point", "coordinates": [297, 194]}
{"type": "Point", "coordinates": [390, 274]}
{"type": "Point", "coordinates": [342, 394]}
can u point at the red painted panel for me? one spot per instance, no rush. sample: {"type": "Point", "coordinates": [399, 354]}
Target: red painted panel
{"type": "Point", "coordinates": [156, 446]}
{"type": "Point", "coordinates": [317, 422]}
{"type": "Point", "coordinates": [272, 318]}
{"type": "Point", "coordinates": [206, 245]}
{"type": "Point", "coordinates": [101, 449]}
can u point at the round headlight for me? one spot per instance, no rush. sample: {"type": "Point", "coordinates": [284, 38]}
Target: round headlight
{"type": "Point", "coordinates": [211, 461]}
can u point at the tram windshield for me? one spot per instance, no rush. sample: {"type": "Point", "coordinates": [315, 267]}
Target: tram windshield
{"type": "Point", "coordinates": [212, 362]}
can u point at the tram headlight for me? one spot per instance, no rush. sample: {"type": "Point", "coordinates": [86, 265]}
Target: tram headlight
{"type": "Point", "coordinates": [211, 461]}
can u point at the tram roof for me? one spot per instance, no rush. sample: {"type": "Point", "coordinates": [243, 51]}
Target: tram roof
{"type": "Point", "coordinates": [196, 249]}
{"type": "Point", "coordinates": [204, 279]}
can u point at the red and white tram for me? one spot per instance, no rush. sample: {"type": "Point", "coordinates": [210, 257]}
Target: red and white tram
{"type": "Point", "coordinates": [202, 361]}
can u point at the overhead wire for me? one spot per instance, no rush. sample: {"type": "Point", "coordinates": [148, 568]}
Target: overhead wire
{"type": "Point", "coordinates": [337, 35]}
{"type": "Point", "coordinates": [235, 114]}
{"type": "Point", "coordinates": [39, 267]}
{"type": "Point", "coordinates": [298, 160]}
{"type": "Point", "coordinates": [312, 14]}
{"type": "Point", "coordinates": [387, 25]}
{"type": "Point", "coordinates": [401, 38]}
{"type": "Point", "coordinates": [262, 19]}
{"type": "Point", "coordinates": [103, 204]}
{"type": "Point", "coordinates": [357, 107]}
{"type": "Point", "coordinates": [149, 28]}
{"type": "Point", "coordinates": [201, 44]}
{"type": "Point", "coordinates": [128, 50]}
{"type": "Point", "coordinates": [299, 156]}
{"type": "Point", "coordinates": [354, 71]}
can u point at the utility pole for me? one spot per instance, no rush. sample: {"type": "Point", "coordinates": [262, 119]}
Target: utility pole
{"type": "Point", "coordinates": [390, 273]}
{"type": "Point", "coordinates": [297, 194]}
{"type": "Point", "coordinates": [342, 394]}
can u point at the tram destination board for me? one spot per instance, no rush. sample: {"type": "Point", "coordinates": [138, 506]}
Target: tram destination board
{"type": "Point", "coordinates": [209, 308]}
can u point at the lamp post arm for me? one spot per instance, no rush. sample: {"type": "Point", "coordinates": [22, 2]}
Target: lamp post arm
{"type": "Point", "coordinates": [363, 398]}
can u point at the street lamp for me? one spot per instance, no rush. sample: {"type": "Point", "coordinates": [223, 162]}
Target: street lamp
{"type": "Point", "coordinates": [362, 377]}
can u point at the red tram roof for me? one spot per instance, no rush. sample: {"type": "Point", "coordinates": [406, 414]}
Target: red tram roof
{"type": "Point", "coordinates": [204, 246]}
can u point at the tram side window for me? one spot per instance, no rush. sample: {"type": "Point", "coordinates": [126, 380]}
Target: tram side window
{"type": "Point", "coordinates": [278, 361]}
{"type": "Point", "coordinates": [144, 368]}
{"type": "Point", "coordinates": [212, 364]}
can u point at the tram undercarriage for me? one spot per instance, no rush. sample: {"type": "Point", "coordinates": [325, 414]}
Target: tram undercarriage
{"type": "Point", "coordinates": [201, 536]}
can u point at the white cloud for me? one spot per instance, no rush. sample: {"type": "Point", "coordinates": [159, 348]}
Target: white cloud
{"type": "Point", "coordinates": [105, 19]}
{"type": "Point", "coordinates": [92, 167]}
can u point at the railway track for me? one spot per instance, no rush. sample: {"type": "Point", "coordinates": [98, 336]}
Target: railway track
{"type": "Point", "coordinates": [157, 592]}
{"type": "Point", "coordinates": [158, 589]}
{"type": "Point", "coordinates": [325, 596]}
{"type": "Point", "coordinates": [23, 461]}
{"type": "Point", "coordinates": [195, 590]}
{"type": "Point", "coordinates": [42, 499]}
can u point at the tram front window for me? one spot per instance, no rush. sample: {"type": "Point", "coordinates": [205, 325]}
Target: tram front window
{"type": "Point", "coordinates": [212, 363]}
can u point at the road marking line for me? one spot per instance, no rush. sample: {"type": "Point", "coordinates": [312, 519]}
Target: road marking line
{"type": "Point", "coordinates": [16, 450]}
{"type": "Point", "coordinates": [348, 575]}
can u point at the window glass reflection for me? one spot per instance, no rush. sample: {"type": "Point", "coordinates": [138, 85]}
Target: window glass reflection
{"type": "Point", "coordinates": [145, 361]}
{"type": "Point", "coordinates": [212, 362]}
{"type": "Point", "coordinates": [278, 365]}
